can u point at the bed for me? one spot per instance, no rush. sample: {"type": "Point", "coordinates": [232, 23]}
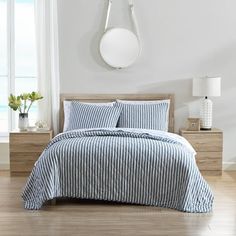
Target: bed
{"type": "Point", "coordinates": [120, 164]}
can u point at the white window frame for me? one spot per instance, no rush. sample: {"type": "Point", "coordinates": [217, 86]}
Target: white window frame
{"type": "Point", "coordinates": [10, 60]}
{"type": "Point", "coordinates": [11, 77]}
{"type": "Point", "coordinates": [11, 57]}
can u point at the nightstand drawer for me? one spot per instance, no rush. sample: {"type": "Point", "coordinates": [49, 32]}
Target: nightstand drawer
{"type": "Point", "coordinates": [28, 138]}
{"type": "Point", "coordinates": [209, 161]}
{"type": "Point", "coordinates": [28, 147]}
{"type": "Point", "coordinates": [23, 163]}
{"type": "Point", "coordinates": [205, 142]}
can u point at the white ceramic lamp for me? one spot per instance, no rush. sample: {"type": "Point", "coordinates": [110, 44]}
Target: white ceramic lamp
{"type": "Point", "coordinates": [206, 87]}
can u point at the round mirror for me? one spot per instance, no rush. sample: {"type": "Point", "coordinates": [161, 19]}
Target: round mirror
{"type": "Point", "coordinates": [119, 47]}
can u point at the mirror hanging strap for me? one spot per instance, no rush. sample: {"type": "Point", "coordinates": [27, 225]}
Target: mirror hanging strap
{"type": "Point", "coordinates": [133, 16]}
{"type": "Point", "coordinates": [108, 14]}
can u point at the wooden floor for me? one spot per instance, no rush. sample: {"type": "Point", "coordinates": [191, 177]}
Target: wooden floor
{"type": "Point", "coordinates": [95, 218]}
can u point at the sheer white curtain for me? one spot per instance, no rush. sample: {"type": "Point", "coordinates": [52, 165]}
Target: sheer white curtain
{"type": "Point", "coordinates": [48, 61]}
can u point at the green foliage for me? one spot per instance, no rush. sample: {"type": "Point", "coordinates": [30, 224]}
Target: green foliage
{"type": "Point", "coordinates": [21, 102]}
{"type": "Point", "coordinates": [34, 96]}
{"type": "Point", "coordinates": [14, 102]}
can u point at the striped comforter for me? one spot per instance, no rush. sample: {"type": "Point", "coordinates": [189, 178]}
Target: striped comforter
{"type": "Point", "coordinates": [125, 165]}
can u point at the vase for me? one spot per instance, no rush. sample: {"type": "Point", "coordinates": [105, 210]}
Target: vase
{"type": "Point", "coordinates": [23, 121]}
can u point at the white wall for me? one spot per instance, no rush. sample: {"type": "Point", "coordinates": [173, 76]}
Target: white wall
{"type": "Point", "coordinates": [181, 40]}
{"type": "Point", "coordinates": [4, 154]}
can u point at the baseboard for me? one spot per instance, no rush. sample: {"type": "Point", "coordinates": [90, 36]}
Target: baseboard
{"type": "Point", "coordinates": [4, 167]}
{"type": "Point", "coordinates": [229, 166]}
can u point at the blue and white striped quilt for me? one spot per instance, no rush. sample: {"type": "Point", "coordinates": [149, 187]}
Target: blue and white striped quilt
{"type": "Point", "coordinates": [124, 165]}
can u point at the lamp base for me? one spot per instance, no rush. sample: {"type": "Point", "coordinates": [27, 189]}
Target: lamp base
{"type": "Point", "coordinates": [206, 114]}
{"type": "Point", "coordinates": [205, 129]}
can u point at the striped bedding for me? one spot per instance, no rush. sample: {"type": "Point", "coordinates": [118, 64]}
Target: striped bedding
{"type": "Point", "coordinates": [124, 165]}
{"type": "Point", "coordinates": [149, 115]}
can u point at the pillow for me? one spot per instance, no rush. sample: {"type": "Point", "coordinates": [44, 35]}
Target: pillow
{"type": "Point", "coordinates": [84, 116]}
{"type": "Point", "coordinates": [144, 115]}
{"type": "Point", "coordinates": [67, 111]}
{"type": "Point", "coordinates": [142, 102]}
{"type": "Point", "coordinates": [67, 108]}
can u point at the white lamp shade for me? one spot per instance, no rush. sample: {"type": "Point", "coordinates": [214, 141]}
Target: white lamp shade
{"type": "Point", "coordinates": [207, 86]}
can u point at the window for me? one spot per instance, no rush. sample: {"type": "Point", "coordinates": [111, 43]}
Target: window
{"type": "Point", "coordinates": [3, 67]}
{"type": "Point", "coordinates": [17, 57]}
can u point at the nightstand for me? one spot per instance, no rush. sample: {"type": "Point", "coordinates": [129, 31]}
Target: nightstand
{"type": "Point", "coordinates": [25, 149]}
{"type": "Point", "coordinates": [209, 147]}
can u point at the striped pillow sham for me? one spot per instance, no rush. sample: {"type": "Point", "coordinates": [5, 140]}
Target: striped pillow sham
{"type": "Point", "coordinates": [144, 115]}
{"type": "Point", "coordinates": [84, 116]}
{"type": "Point", "coordinates": [67, 110]}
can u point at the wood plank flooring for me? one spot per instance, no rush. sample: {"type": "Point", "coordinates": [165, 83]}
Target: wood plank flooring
{"type": "Point", "coordinates": [97, 218]}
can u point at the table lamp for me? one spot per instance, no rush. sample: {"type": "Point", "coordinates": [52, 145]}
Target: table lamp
{"type": "Point", "coordinates": [206, 87]}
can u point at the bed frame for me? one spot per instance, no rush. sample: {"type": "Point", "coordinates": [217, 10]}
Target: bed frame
{"type": "Point", "coordinates": [93, 98]}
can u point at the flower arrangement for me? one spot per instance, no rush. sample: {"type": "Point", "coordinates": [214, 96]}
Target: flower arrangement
{"type": "Point", "coordinates": [23, 102]}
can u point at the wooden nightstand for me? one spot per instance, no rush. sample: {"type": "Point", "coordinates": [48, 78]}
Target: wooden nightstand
{"type": "Point", "coordinates": [209, 148]}
{"type": "Point", "coordinates": [25, 149]}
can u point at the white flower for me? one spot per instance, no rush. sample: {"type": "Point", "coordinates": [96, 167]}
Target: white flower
{"type": "Point", "coordinates": [41, 124]}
